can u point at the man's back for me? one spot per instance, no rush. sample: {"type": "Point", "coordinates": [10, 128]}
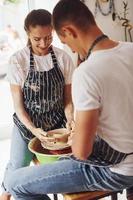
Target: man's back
{"type": "Point", "coordinates": [107, 83]}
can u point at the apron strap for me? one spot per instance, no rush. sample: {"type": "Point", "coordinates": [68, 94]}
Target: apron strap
{"type": "Point", "coordinates": [54, 59]}
{"type": "Point", "coordinates": [31, 59]}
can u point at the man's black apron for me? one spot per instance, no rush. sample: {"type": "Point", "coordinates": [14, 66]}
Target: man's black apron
{"type": "Point", "coordinates": [104, 155]}
{"type": "Point", "coordinates": [43, 95]}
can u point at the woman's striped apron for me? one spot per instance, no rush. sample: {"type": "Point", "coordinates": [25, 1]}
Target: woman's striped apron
{"type": "Point", "coordinates": [43, 94]}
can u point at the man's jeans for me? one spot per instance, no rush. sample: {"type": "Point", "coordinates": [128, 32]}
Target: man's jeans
{"type": "Point", "coordinates": [63, 176]}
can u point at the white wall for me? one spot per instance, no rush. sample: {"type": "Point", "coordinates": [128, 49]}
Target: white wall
{"type": "Point", "coordinates": [110, 27]}
{"type": "Point", "coordinates": [14, 15]}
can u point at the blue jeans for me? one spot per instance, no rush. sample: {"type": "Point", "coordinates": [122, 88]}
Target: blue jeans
{"type": "Point", "coordinates": [63, 176]}
{"type": "Point", "coordinates": [20, 156]}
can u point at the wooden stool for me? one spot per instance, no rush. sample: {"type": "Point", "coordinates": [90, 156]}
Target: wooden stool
{"type": "Point", "coordinates": [90, 195]}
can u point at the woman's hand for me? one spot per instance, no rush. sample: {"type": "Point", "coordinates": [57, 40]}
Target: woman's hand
{"type": "Point", "coordinates": [40, 134]}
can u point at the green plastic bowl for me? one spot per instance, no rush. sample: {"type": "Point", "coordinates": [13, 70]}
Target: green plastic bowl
{"type": "Point", "coordinates": [43, 155]}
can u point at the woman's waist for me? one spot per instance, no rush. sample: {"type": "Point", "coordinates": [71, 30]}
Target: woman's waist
{"type": "Point", "coordinates": [44, 106]}
{"type": "Point", "coordinates": [47, 122]}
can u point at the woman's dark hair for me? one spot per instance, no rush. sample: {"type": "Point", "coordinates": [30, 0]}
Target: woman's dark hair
{"type": "Point", "coordinates": [72, 11]}
{"type": "Point", "coordinates": [37, 17]}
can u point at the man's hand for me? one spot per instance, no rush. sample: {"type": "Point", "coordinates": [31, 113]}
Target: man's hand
{"type": "Point", "coordinates": [70, 125]}
{"type": "Point", "coordinates": [71, 128]}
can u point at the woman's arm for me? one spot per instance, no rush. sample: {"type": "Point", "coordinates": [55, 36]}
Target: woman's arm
{"type": "Point", "coordinates": [23, 116]}
{"type": "Point", "coordinates": [68, 105]}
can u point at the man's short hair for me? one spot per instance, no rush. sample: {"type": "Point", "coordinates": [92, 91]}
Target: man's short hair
{"type": "Point", "coordinates": [74, 12]}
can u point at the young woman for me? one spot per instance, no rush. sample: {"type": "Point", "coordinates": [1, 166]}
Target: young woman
{"type": "Point", "coordinates": [40, 81]}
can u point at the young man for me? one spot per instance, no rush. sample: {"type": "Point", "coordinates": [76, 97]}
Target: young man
{"type": "Point", "coordinates": [102, 90]}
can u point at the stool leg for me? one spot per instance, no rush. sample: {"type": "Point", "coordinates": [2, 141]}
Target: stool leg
{"type": "Point", "coordinates": [55, 196]}
{"type": "Point", "coordinates": [114, 196]}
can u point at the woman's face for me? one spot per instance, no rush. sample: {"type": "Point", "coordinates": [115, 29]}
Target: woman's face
{"type": "Point", "coordinates": [40, 38]}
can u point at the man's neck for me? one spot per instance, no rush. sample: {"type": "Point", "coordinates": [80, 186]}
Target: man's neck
{"type": "Point", "coordinates": [89, 38]}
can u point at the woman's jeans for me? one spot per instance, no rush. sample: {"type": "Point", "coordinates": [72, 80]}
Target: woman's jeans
{"type": "Point", "coordinates": [20, 156]}
{"type": "Point", "coordinates": [63, 176]}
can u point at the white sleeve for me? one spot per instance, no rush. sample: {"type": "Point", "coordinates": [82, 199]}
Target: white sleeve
{"type": "Point", "coordinates": [14, 72]}
{"type": "Point", "coordinates": [86, 91]}
{"type": "Point", "coordinates": [66, 66]}
{"type": "Point", "coordinates": [68, 69]}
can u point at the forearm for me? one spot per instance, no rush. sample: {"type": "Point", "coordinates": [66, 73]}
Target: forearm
{"type": "Point", "coordinates": [81, 147]}
{"type": "Point", "coordinates": [18, 102]}
{"type": "Point", "coordinates": [84, 137]}
{"type": "Point", "coordinates": [23, 116]}
{"type": "Point", "coordinates": [25, 119]}
{"type": "Point", "coordinates": [68, 105]}
{"type": "Point", "coordinates": [69, 112]}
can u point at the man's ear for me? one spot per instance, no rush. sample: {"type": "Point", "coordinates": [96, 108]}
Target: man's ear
{"type": "Point", "coordinates": [69, 31]}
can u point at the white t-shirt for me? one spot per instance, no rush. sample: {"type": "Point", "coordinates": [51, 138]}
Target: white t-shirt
{"type": "Point", "coordinates": [105, 81]}
{"type": "Point", "coordinates": [20, 65]}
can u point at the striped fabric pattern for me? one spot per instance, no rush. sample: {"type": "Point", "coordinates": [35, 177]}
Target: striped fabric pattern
{"type": "Point", "coordinates": [43, 94]}
{"type": "Point", "coordinates": [103, 154]}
